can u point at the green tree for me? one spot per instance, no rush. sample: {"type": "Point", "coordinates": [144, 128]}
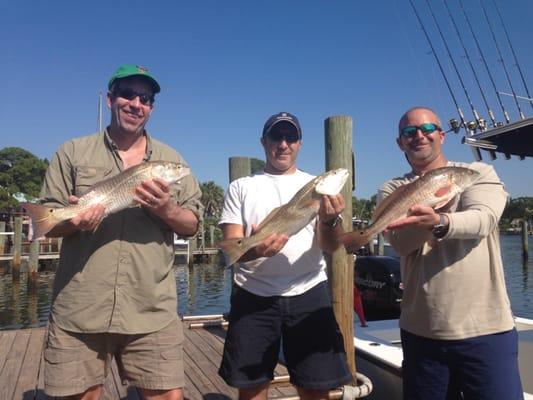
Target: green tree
{"type": "Point", "coordinates": [20, 172]}
{"type": "Point", "coordinates": [213, 200]}
{"type": "Point", "coordinates": [256, 165]}
{"type": "Point", "coordinates": [363, 208]}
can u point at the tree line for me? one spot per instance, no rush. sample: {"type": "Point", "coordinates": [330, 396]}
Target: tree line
{"type": "Point", "coordinates": [22, 174]}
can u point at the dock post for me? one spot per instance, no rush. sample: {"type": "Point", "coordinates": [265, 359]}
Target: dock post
{"type": "Point", "coordinates": [239, 167]}
{"type": "Point", "coordinates": [33, 265]}
{"type": "Point", "coordinates": [17, 249]}
{"type": "Point", "coordinates": [381, 244]}
{"type": "Point", "coordinates": [2, 237]}
{"type": "Point", "coordinates": [193, 245]}
{"type": "Point", "coordinates": [339, 154]}
{"type": "Point", "coordinates": [525, 244]}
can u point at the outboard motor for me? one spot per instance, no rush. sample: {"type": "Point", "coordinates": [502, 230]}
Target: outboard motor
{"type": "Point", "coordinates": [379, 283]}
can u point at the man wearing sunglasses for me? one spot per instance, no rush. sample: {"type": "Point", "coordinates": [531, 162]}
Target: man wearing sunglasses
{"type": "Point", "coordinates": [114, 290]}
{"type": "Point", "coordinates": [458, 333]}
{"type": "Point", "coordinates": [280, 293]}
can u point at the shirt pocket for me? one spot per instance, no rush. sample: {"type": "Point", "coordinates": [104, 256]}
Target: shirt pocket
{"type": "Point", "coordinates": [87, 176]}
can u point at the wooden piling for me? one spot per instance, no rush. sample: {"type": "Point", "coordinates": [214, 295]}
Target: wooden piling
{"type": "Point", "coordinates": [192, 246]}
{"type": "Point", "coordinates": [2, 237]}
{"type": "Point", "coordinates": [17, 249]}
{"type": "Point", "coordinates": [33, 265]}
{"type": "Point", "coordinates": [381, 244]}
{"type": "Point", "coordinates": [525, 243]}
{"type": "Point", "coordinates": [338, 145]}
{"type": "Point", "coordinates": [239, 167]}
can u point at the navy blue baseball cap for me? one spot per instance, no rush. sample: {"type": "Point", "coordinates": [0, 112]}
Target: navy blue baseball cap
{"type": "Point", "coordinates": [282, 117]}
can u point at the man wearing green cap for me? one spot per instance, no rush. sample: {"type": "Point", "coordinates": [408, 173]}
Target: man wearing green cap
{"type": "Point", "coordinates": [114, 291]}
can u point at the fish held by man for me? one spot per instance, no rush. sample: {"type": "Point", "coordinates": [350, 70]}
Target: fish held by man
{"type": "Point", "coordinates": [115, 194]}
{"type": "Point", "coordinates": [435, 189]}
{"type": "Point", "coordinates": [291, 217]}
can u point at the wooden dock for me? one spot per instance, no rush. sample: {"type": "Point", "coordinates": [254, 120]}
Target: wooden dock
{"type": "Point", "coordinates": [21, 368]}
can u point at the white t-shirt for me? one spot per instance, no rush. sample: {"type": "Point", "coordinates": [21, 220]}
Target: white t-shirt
{"type": "Point", "coordinates": [300, 265]}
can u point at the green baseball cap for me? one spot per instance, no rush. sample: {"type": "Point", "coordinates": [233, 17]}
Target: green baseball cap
{"type": "Point", "coordinates": [127, 70]}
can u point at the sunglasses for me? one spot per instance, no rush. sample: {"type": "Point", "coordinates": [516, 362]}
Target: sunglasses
{"type": "Point", "coordinates": [426, 129]}
{"type": "Point", "coordinates": [146, 99]}
{"type": "Point", "coordinates": [278, 136]}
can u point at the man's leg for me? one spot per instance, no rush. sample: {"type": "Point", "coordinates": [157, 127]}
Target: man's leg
{"type": "Point", "coordinates": [424, 369]}
{"type": "Point", "coordinates": [153, 362]}
{"type": "Point", "coordinates": [251, 348]}
{"type": "Point", "coordinates": [488, 366]}
{"type": "Point", "coordinates": [91, 394]}
{"type": "Point", "coordinates": [74, 363]}
{"type": "Point", "coordinates": [173, 394]}
{"type": "Point", "coordinates": [312, 343]}
{"type": "Point", "coordinates": [259, 393]}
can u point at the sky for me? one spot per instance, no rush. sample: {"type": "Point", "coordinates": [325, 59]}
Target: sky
{"type": "Point", "coordinates": [226, 66]}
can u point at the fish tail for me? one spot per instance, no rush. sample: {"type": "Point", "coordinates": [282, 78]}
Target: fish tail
{"type": "Point", "coordinates": [354, 240]}
{"type": "Point", "coordinates": [233, 249]}
{"type": "Point", "coordinates": [42, 219]}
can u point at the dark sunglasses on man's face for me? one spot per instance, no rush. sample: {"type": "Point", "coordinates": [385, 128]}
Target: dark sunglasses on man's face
{"type": "Point", "coordinates": [278, 136]}
{"type": "Point", "coordinates": [426, 129]}
{"type": "Point", "coordinates": [146, 99]}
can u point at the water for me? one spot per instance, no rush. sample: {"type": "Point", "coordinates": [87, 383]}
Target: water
{"type": "Point", "coordinates": [205, 289]}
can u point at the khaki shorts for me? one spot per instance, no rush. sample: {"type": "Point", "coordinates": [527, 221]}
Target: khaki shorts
{"type": "Point", "coordinates": [74, 362]}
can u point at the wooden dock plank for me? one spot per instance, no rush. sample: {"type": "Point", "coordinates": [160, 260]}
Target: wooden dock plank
{"type": "Point", "coordinates": [196, 382]}
{"type": "Point", "coordinates": [194, 349]}
{"type": "Point", "coordinates": [6, 340]}
{"type": "Point", "coordinates": [22, 368]}
{"type": "Point", "coordinates": [27, 382]}
{"type": "Point", "coordinates": [13, 363]}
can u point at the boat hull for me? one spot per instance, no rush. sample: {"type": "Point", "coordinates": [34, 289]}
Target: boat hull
{"type": "Point", "coordinates": [378, 355]}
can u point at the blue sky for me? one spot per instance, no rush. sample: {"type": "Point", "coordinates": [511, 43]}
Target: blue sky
{"type": "Point", "coordinates": [225, 66]}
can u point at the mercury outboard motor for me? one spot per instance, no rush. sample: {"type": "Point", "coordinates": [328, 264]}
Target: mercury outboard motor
{"type": "Point", "coordinates": [379, 282]}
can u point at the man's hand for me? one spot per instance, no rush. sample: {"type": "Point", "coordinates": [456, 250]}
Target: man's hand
{"type": "Point", "coordinates": [330, 207]}
{"type": "Point", "coordinates": [155, 196]}
{"type": "Point", "coordinates": [270, 246]}
{"type": "Point", "coordinates": [418, 216]}
{"type": "Point", "coordinates": [89, 219]}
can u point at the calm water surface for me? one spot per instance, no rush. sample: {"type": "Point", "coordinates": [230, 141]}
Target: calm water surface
{"type": "Point", "coordinates": [205, 289]}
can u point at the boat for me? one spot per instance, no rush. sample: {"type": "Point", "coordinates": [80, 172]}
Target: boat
{"type": "Point", "coordinates": [378, 356]}
{"type": "Point", "coordinates": [378, 350]}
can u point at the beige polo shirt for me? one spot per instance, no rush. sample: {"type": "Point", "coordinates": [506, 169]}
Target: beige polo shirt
{"type": "Point", "coordinates": [454, 287]}
{"type": "Point", "coordinates": [119, 279]}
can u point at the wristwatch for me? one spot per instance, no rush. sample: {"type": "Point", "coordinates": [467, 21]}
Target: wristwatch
{"type": "Point", "coordinates": [441, 229]}
{"type": "Point", "coordinates": [334, 222]}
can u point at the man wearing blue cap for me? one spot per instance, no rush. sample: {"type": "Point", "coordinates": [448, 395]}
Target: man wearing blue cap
{"type": "Point", "coordinates": [280, 291]}
{"type": "Point", "coordinates": [114, 292]}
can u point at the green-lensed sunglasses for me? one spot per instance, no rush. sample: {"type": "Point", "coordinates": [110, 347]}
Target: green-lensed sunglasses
{"type": "Point", "coordinates": [426, 129]}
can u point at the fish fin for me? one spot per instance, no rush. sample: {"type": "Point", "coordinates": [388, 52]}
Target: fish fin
{"type": "Point", "coordinates": [442, 191]}
{"type": "Point", "coordinates": [443, 204]}
{"type": "Point", "coordinates": [393, 197]}
{"type": "Point", "coordinates": [42, 219]}
{"type": "Point", "coordinates": [233, 248]}
{"type": "Point", "coordinates": [354, 240]}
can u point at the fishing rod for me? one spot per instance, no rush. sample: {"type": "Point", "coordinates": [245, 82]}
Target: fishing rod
{"type": "Point", "coordinates": [502, 60]}
{"type": "Point", "coordinates": [505, 113]}
{"type": "Point", "coordinates": [520, 97]}
{"type": "Point", "coordinates": [514, 54]}
{"type": "Point", "coordinates": [461, 116]}
{"type": "Point", "coordinates": [491, 114]}
{"type": "Point", "coordinates": [474, 112]}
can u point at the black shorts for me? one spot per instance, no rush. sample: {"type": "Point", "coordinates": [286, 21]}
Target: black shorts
{"type": "Point", "coordinates": [313, 346]}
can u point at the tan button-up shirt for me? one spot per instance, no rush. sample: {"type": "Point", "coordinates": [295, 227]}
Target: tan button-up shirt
{"type": "Point", "coordinates": [119, 279]}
